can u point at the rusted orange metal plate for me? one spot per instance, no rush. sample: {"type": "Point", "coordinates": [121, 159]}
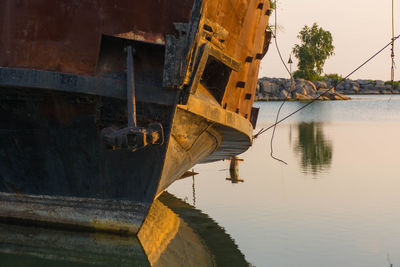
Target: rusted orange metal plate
{"type": "Point", "coordinates": [244, 22]}
{"type": "Point", "coordinates": [64, 35]}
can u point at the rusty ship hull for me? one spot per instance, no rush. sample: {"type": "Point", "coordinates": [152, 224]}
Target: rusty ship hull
{"type": "Point", "coordinates": [104, 104]}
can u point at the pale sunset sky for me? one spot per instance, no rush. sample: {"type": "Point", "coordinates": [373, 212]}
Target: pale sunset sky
{"type": "Point", "coordinates": [359, 29]}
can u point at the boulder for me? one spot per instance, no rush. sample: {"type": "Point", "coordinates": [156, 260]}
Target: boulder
{"type": "Point", "coordinates": [367, 87]}
{"type": "Point", "coordinates": [356, 87]}
{"type": "Point", "coordinates": [310, 87]}
{"type": "Point", "coordinates": [279, 89]}
{"type": "Point", "coordinates": [301, 96]}
{"type": "Point", "coordinates": [287, 84]}
{"type": "Point", "coordinates": [321, 91]}
{"type": "Point", "coordinates": [388, 87]}
{"type": "Point", "coordinates": [330, 82]}
{"type": "Point", "coordinates": [351, 87]}
{"type": "Point", "coordinates": [269, 88]}
{"type": "Point", "coordinates": [305, 87]}
{"type": "Point", "coordinates": [284, 94]}
{"type": "Point", "coordinates": [363, 82]}
{"type": "Point", "coordinates": [323, 97]}
{"type": "Point", "coordinates": [348, 86]}
{"type": "Point", "coordinates": [340, 87]}
{"type": "Point", "coordinates": [321, 84]}
{"type": "Point", "coordinates": [338, 96]}
{"type": "Point", "coordinates": [380, 88]}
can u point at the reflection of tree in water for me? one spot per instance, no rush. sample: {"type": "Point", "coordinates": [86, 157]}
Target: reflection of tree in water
{"type": "Point", "coordinates": [314, 149]}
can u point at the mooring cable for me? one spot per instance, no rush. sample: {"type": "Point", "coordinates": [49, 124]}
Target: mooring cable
{"type": "Point", "coordinates": [290, 90]}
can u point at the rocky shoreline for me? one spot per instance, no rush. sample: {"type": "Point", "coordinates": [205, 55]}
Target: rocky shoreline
{"type": "Point", "coordinates": [273, 89]}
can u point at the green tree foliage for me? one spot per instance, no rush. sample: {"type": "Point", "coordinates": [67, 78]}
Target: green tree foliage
{"type": "Point", "coordinates": [314, 48]}
{"type": "Point", "coordinates": [395, 83]}
{"type": "Point", "coordinates": [334, 76]}
{"type": "Point", "coordinates": [272, 4]}
{"type": "Point", "coordinates": [271, 27]}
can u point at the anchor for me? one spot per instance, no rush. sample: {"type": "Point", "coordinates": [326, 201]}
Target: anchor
{"type": "Point", "coordinates": [132, 137]}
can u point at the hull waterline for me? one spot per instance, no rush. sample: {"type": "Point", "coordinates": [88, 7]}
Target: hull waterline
{"type": "Point", "coordinates": [95, 123]}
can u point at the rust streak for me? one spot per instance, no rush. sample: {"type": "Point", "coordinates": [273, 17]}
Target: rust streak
{"type": "Point", "coordinates": [155, 38]}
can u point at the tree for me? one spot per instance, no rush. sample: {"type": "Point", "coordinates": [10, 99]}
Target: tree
{"type": "Point", "coordinates": [314, 49]}
{"type": "Point", "coordinates": [272, 4]}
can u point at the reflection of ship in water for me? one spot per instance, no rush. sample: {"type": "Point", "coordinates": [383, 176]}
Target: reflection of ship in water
{"type": "Point", "coordinates": [174, 234]}
{"type": "Point", "coordinates": [234, 170]}
{"type": "Point", "coordinates": [313, 147]}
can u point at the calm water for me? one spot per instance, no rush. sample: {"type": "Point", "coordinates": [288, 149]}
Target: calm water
{"type": "Point", "coordinates": [336, 203]}
{"type": "Point", "coordinates": [174, 234]}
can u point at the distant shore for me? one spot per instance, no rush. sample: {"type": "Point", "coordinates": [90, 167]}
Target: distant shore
{"type": "Point", "coordinates": [275, 89]}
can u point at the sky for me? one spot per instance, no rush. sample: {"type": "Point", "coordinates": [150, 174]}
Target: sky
{"type": "Point", "coordinates": [359, 29]}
